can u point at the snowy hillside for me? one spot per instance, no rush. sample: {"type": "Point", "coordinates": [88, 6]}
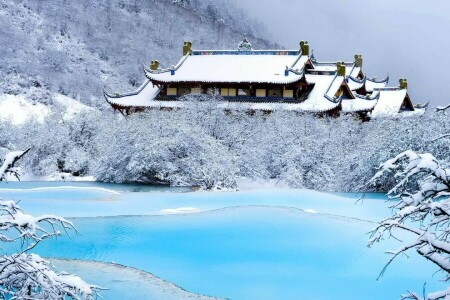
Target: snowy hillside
{"type": "Point", "coordinates": [75, 48]}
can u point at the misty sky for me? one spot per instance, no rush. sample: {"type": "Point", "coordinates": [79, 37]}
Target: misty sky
{"type": "Point", "coordinates": [405, 38]}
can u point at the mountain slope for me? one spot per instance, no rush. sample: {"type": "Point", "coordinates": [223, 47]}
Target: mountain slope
{"type": "Point", "coordinates": [76, 47]}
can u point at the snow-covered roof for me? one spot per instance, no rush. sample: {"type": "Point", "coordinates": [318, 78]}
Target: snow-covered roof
{"type": "Point", "coordinates": [355, 83]}
{"type": "Point", "coordinates": [235, 67]}
{"type": "Point", "coordinates": [389, 102]}
{"type": "Point", "coordinates": [374, 83]}
{"type": "Point", "coordinates": [141, 98]}
{"type": "Point", "coordinates": [322, 97]}
{"type": "Point", "coordinates": [360, 104]}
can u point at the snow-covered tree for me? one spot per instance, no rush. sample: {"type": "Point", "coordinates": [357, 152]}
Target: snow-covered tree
{"type": "Point", "coordinates": [422, 209]}
{"type": "Point", "coordinates": [7, 165]}
{"type": "Point", "coordinates": [182, 3]}
{"type": "Point", "coordinates": [25, 275]}
{"type": "Point", "coordinates": [245, 45]}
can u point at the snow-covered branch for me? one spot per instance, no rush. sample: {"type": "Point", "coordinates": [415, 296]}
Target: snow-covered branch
{"type": "Point", "coordinates": [422, 209]}
{"type": "Point", "coordinates": [28, 276]}
{"type": "Point", "coordinates": [442, 108]}
{"type": "Point", "coordinates": [7, 165]}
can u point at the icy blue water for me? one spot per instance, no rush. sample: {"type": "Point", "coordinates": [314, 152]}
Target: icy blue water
{"type": "Point", "coordinates": [253, 245]}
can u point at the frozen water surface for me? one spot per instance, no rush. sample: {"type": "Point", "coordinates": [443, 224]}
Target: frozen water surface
{"type": "Point", "coordinates": [262, 244]}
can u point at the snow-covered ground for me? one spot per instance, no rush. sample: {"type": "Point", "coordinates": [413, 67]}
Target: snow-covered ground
{"type": "Point", "coordinates": [18, 109]}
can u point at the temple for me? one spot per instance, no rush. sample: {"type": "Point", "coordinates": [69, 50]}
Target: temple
{"type": "Point", "coordinates": [268, 80]}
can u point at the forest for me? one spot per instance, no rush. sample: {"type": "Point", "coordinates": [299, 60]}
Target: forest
{"type": "Point", "coordinates": [203, 146]}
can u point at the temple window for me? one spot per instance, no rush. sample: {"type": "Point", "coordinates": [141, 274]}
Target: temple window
{"type": "Point", "coordinates": [288, 94]}
{"type": "Point", "coordinates": [261, 93]}
{"type": "Point", "coordinates": [172, 91]}
{"type": "Point", "coordinates": [228, 92]}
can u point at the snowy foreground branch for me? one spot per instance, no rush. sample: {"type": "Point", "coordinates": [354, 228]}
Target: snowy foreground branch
{"type": "Point", "coordinates": [7, 165]}
{"type": "Point", "coordinates": [422, 208]}
{"type": "Point", "coordinates": [28, 276]}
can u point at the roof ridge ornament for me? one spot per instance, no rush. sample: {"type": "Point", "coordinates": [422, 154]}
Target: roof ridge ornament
{"type": "Point", "coordinates": [154, 65]}
{"type": "Point", "coordinates": [341, 69]}
{"type": "Point", "coordinates": [245, 45]}
{"type": "Point", "coordinates": [358, 60]}
{"type": "Point", "coordinates": [187, 48]}
{"type": "Point", "coordinates": [304, 48]}
{"type": "Point", "coordinates": [403, 83]}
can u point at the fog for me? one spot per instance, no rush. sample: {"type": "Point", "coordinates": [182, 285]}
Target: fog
{"type": "Point", "coordinates": [402, 38]}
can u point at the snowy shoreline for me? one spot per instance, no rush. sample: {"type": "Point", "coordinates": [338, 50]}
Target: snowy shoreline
{"type": "Point", "coordinates": [150, 286]}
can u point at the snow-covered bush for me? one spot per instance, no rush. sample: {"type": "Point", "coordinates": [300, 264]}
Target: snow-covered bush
{"type": "Point", "coordinates": [295, 150]}
{"type": "Point", "coordinates": [158, 147]}
{"type": "Point", "coordinates": [24, 275]}
{"type": "Point", "coordinates": [421, 209]}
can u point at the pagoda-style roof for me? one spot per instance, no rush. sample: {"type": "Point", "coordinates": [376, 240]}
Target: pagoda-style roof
{"type": "Point", "coordinates": [360, 103]}
{"type": "Point", "coordinates": [268, 80]}
{"type": "Point", "coordinates": [392, 102]}
{"type": "Point", "coordinates": [234, 67]}
{"type": "Point", "coordinates": [140, 98]}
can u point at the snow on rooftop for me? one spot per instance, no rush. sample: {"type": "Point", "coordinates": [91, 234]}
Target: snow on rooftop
{"type": "Point", "coordinates": [389, 103]}
{"type": "Point", "coordinates": [355, 85]}
{"type": "Point", "coordinates": [372, 84]}
{"type": "Point", "coordinates": [323, 85]}
{"type": "Point", "coordinates": [358, 105]}
{"type": "Point", "coordinates": [354, 71]}
{"type": "Point", "coordinates": [235, 68]}
{"type": "Point", "coordinates": [141, 98]}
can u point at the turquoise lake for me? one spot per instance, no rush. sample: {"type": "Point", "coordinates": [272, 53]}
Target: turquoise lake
{"type": "Point", "coordinates": [253, 244]}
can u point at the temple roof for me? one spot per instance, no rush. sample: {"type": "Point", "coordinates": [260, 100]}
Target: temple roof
{"type": "Point", "coordinates": [140, 98]}
{"type": "Point", "coordinates": [390, 102]}
{"type": "Point", "coordinates": [374, 83]}
{"type": "Point", "coordinates": [235, 67]}
{"type": "Point", "coordinates": [322, 97]}
{"type": "Point", "coordinates": [360, 104]}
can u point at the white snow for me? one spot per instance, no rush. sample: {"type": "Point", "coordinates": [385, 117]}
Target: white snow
{"type": "Point", "coordinates": [372, 85]}
{"type": "Point", "coordinates": [71, 106]}
{"type": "Point", "coordinates": [141, 98]}
{"type": "Point", "coordinates": [389, 103]}
{"type": "Point", "coordinates": [354, 85]}
{"type": "Point", "coordinates": [234, 68]}
{"type": "Point", "coordinates": [358, 104]}
{"type": "Point", "coordinates": [180, 210]}
{"type": "Point", "coordinates": [17, 109]}
{"type": "Point", "coordinates": [323, 85]}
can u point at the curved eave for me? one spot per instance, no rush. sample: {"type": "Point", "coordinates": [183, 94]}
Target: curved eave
{"type": "Point", "coordinates": [140, 98]}
{"type": "Point", "coordinates": [360, 104]}
{"type": "Point", "coordinates": [375, 96]}
{"type": "Point", "coordinates": [422, 105]}
{"type": "Point", "coordinates": [376, 80]}
{"type": "Point", "coordinates": [355, 83]}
